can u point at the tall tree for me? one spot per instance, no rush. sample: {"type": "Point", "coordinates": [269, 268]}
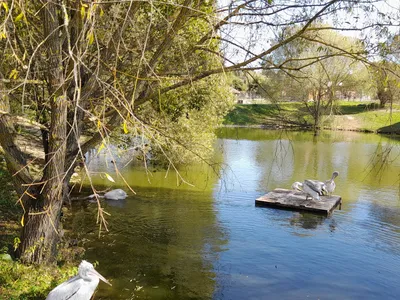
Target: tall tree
{"type": "Point", "coordinates": [318, 84]}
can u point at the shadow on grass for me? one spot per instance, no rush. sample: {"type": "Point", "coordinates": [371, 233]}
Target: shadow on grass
{"type": "Point", "coordinates": [394, 128]}
{"type": "Point", "coordinates": [292, 113]}
{"type": "Point", "coordinates": [357, 108]}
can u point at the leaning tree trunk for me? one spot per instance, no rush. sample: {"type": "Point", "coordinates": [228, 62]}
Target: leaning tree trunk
{"type": "Point", "coordinates": [317, 113]}
{"type": "Point", "coordinates": [40, 232]}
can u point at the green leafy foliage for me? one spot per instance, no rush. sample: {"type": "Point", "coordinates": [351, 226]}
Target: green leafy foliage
{"type": "Point", "coordinates": [239, 84]}
{"type": "Point", "coordinates": [8, 198]}
{"type": "Point", "coordinates": [182, 123]}
{"type": "Point", "coordinates": [385, 82]}
{"type": "Point", "coordinates": [334, 75]}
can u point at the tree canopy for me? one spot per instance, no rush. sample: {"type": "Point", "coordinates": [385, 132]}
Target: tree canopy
{"type": "Point", "coordinates": [338, 73]}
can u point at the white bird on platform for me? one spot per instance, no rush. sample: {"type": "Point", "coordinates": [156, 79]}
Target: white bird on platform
{"type": "Point", "coordinates": [80, 287]}
{"type": "Point", "coordinates": [330, 184]}
{"type": "Point", "coordinates": [314, 188]}
{"type": "Point", "coordinates": [297, 186]}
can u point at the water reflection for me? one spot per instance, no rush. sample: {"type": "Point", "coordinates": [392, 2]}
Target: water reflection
{"type": "Point", "coordinates": [163, 240]}
{"type": "Point", "coordinates": [295, 156]}
{"type": "Point", "coordinates": [176, 241]}
{"type": "Point", "coordinates": [116, 203]}
{"type": "Point", "coordinates": [315, 256]}
{"type": "Point", "coordinates": [306, 220]}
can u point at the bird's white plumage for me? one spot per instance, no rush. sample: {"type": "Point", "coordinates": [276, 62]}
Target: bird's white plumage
{"type": "Point", "coordinates": [79, 287]}
{"type": "Point", "coordinates": [314, 188]}
{"type": "Point", "coordinates": [297, 186]}
{"type": "Point", "coordinates": [330, 184]}
{"type": "Point", "coordinates": [75, 288]}
{"type": "Point", "coordinates": [116, 194]}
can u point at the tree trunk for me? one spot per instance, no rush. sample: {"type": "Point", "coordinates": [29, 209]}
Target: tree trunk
{"type": "Point", "coordinates": [385, 96]}
{"type": "Point", "coordinates": [317, 112]}
{"type": "Point", "coordinates": [40, 233]}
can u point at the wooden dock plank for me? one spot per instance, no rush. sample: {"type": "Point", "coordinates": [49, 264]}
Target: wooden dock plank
{"type": "Point", "coordinates": [289, 199]}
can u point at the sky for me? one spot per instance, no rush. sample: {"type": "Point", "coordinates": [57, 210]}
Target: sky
{"type": "Point", "coordinates": [259, 39]}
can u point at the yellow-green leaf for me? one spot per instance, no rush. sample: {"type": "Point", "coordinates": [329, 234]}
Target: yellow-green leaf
{"type": "Point", "coordinates": [22, 221]}
{"type": "Point", "coordinates": [17, 241]}
{"type": "Point", "coordinates": [13, 74]}
{"type": "Point", "coordinates": [89, 13]}
{"type": "Point", "coordinates": [90, 37]}
{"type": "Point", "coordinates": [109, 177]}
{"type": "Point", "coordinates": [19, 17]}
{"type": "Point", "coordinates": [82, 12]}
{"type": "Point", "coordinates": [3, 35]}
{"type": "Point", "coordinates": [5, 5]}
{"type": "Point", "coordinates": [125, 127]}
{"type": "Point", "coordinates": [101, 12]}
{"type": "Point", "coordinates": [102, 146]}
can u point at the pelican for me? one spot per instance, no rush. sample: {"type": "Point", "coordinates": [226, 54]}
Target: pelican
{"type": "Point", "coordinates": [314, 188]}
{"type": "Point", "coordinates": [330, 184]}
{"type": "Point", "coordinates": [117, 194]}
{"type": "Point", "coordinates": [80, 287]}
{"type": "Point", "coordinates": [297, 186]}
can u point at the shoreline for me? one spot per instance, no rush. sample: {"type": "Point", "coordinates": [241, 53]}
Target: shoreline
{"type": "Point", "coordinates": [347, 116]}
{"type": "Point", "coordinates": [307, 128]}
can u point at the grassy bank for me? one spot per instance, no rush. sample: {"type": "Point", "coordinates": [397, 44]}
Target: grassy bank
{"type": "Point", "coordinates": [10, 212]}
{"type": "Point", "coordinates": [18, 281]}
{"type": "Point", "coordinates": [358, 116]}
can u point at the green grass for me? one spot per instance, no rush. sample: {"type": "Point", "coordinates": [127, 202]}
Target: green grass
{"type": "Point", "coordinates": [10, 213]}
{"type": "Point", "coordinates": [8, 197]}
{"type": "Point", "coordinates": [18, 281]}
{"type": "Point", "coordinates": [249, 114]}
{"type": "Point", "coordinates": [366, 117]}
{"type": "Point", "coordinates": [347, 116]}
{"type": "Point", "coordinates": [260, 114]}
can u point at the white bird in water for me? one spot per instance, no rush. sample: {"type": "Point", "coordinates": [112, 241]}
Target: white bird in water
{"type": "Point", "coordinates": [330, 184]}
{"type": "Point", "coordinates": [80, 287]}
{"type": "Point", "coordinates": [314, 188]}
{"type": "Point", "coordinates": [116, 194]}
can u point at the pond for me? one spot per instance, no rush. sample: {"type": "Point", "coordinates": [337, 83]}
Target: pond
{"type": "Point", "coordinates": [172, 240]}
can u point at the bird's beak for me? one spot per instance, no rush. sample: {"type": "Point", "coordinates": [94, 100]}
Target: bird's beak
{"type": "Point", "coordinates": [94, 272]}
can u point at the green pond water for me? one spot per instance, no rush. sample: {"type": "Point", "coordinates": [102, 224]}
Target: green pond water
{"type": "Point", "coordinates": [172, 240]}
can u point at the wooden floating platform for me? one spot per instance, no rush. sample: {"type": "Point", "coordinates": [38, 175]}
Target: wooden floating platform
{"type": "Point", "coordinates": [296, 200]}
